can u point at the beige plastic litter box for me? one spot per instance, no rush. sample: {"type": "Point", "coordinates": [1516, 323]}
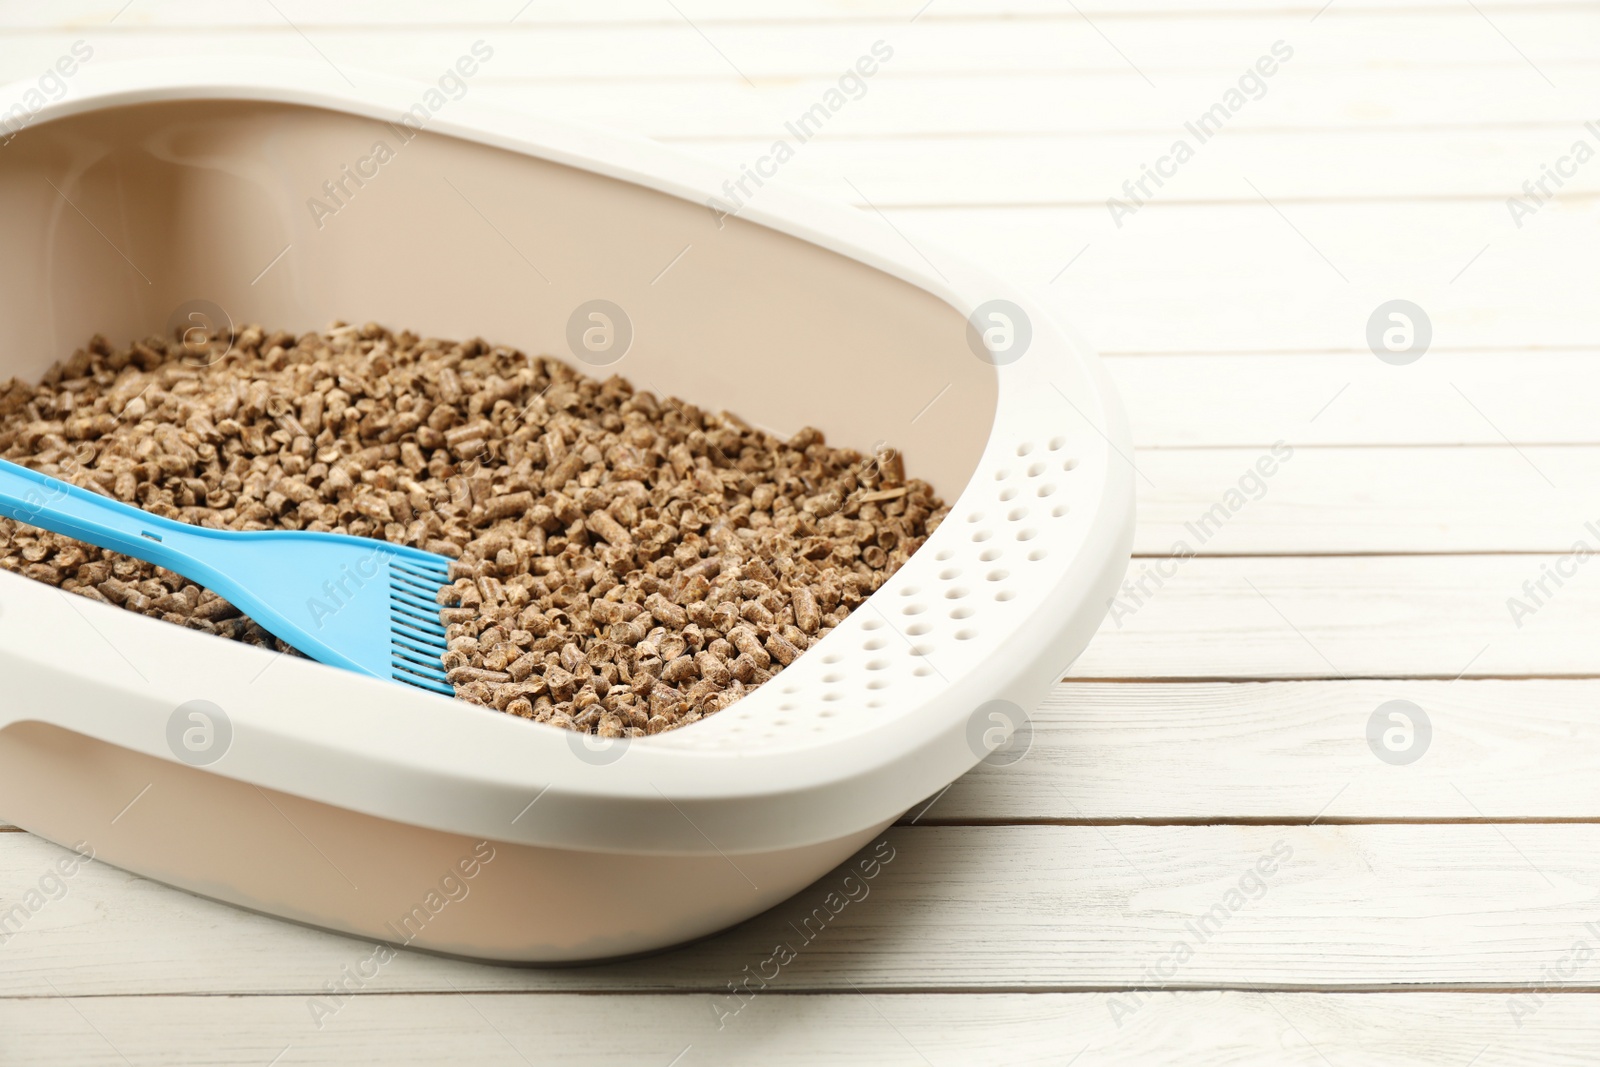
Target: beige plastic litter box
{"type": "Point", "coordinates": [392, 814]}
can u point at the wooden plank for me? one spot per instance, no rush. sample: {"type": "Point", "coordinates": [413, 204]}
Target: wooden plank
{"type": "Point", "coordinates": [900, 105]}
{"type": "Point", "coordinates": [1144, 48]}
{"type": "Point", "coordinates": [1086, 169]}
{"type": "Point", "coordinates": [1232, 278]}
{"type": "Point", "coordinates": [207, 14]}
{"type": "Point", "coordinates": [1485, 97]}
{"type": "Point", "coordinates": [1056, 908]}
{"type": "Point", "coordinates": [720, 105]}
{"type": "Point", "coordinates": [1292, 751]}
{"type": "Point", "coordinates": [1077, 98]}
{"type": "Point", "coordinates": [1339, 500]}
{"type": "Point", "coordinates": [1169, 278]}
{"type": "Point", "coordinates": [1351, 398]}
{"type": "Point", "coordinates": [1212, 1029]}
{"type": "Point", "coordinates": [1349, 617]}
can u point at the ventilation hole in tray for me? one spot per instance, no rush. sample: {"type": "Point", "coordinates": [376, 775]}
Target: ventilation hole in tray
{"type": "Point", "coordinates": [873, 666]}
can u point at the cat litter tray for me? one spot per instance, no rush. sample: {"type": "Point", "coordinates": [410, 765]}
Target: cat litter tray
{"type": "Point", "coordinates": [392, 814]}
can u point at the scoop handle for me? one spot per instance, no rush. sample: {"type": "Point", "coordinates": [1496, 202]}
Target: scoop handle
{"type": "Point", "coordinates": [60, 507]}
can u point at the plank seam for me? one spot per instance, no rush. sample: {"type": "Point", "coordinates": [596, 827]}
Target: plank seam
{"type": "Point", "coordinates": [953, 18]}
{"type": "Point", "coordinates": [1354, 989]}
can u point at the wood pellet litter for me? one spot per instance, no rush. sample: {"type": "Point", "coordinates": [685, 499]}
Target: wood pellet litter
{"type": "Point", "coordinates": [625, 564]}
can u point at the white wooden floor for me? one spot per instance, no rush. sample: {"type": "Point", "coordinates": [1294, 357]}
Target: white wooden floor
{"type": "Point", "coordinates": [1442, 911]}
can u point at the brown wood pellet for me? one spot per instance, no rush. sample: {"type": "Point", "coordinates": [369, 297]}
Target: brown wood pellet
{"type": "Point", "coordinates": [625, 564]}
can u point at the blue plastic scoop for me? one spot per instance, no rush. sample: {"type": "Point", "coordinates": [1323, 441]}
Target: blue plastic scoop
{"type": "Point", "coordinates": [351, 602]}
